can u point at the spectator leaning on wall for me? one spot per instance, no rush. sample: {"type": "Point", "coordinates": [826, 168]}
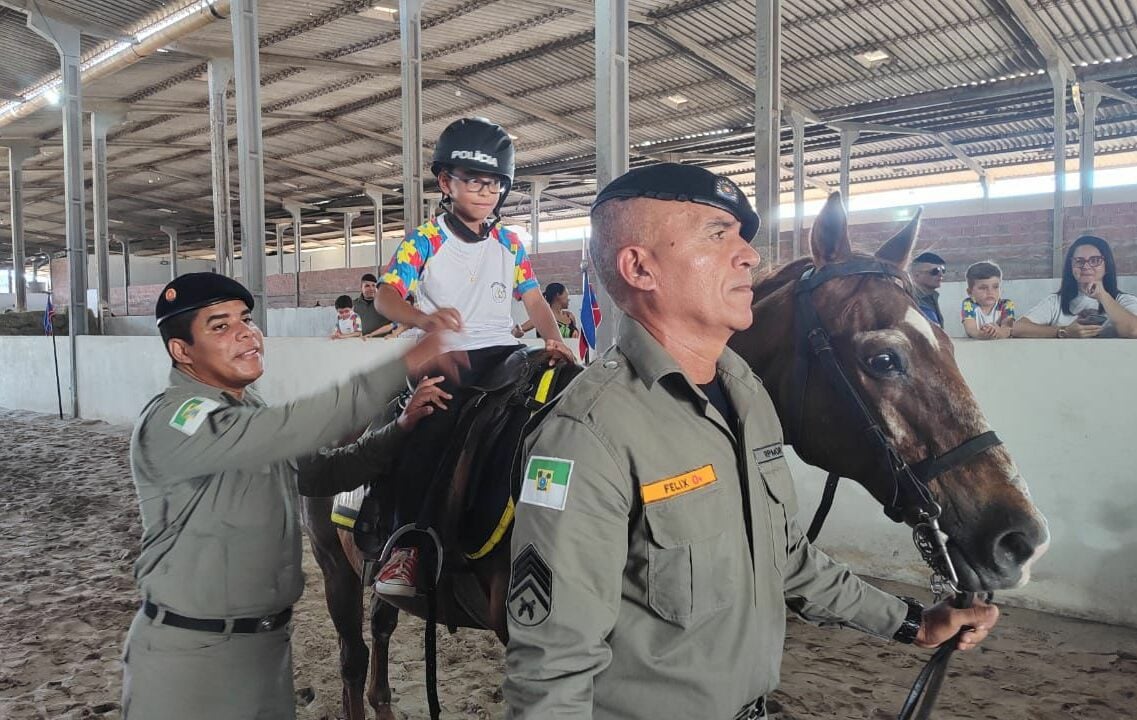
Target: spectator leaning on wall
{"type": "Point", "coordinates": [927, 273]}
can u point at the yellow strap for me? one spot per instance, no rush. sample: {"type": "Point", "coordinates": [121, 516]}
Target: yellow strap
{"type": "Point", "coordinates": [498, 533]}
{"type": "Point", "coordinates": [544, 386]}
{"type": "Point", "coordinates": [343, 520]}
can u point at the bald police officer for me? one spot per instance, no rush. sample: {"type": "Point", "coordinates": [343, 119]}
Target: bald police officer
{"type": "Point", "coordinates": [216, 475]}
{"type": "Point", "coordinates": [656, 545]}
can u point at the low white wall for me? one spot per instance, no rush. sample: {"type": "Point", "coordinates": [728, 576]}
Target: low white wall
{"type": "Point", "coordinates": [1025, 293]}
{"type": "Point", "coordinates": [1069, 432]}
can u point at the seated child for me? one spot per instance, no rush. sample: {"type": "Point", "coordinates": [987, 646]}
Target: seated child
{"type": "Point", "coordinates": [985, 315]}
{"type": "Point", "coordinates": [347, 322]}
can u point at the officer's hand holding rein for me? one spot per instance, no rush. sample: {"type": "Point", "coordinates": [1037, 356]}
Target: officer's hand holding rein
{"type": "Point", "coordinates": [426, 397]}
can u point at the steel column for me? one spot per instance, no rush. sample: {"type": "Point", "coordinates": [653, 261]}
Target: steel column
{"type": "Point", "coordinates": [611, 129]}
{"type": "Point", "coordinates": [126, 272]}
{"type": "Point", "coordinates": [767, 122]}
{"type": "Point", "coordinates": [1086, 153]}
{"type": "Point", "coordinates": [18, 152]}
{"type": "Point", "coordinates": [280, 245]}
{"type": "Point", "coordinates": [536, 187]}
{"type": "Point", "coordinates": [348, 217]}
{"type": "Point", "coordinates": [848, 137]}
{"type": "Point", "coordinates": [410, 41]}
{"type": "Point", "coordinates": [294, 209]}
{"type": "Point", "coordinates": [1059, 75]}
{"type": "Point", "coordinates": [376, 196]}
{"type": "Point", "coordinates": [798, 122]}
{"type": "Point", "coordinates": [101, 122]}
{"type": "Point", "coordinates": [172, 233]}
{"type": "Point", "coordinates": [250, 152]}
{"type": "Point", "coordinates": [220, 73]}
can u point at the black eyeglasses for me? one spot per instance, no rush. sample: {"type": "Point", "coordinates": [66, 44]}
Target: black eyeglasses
{"type": "Point", "coordinates": [1095, 261]}
{"type": "Point", "coordinates": [478, 184]}
{"type": "Point", "coordinates": [937, 271]}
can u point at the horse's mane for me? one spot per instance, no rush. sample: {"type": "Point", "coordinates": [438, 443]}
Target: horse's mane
{"type": "Point", "coordinates": [769, 283]}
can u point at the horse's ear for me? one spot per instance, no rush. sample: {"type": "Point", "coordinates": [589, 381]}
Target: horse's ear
{"type": "Point", "coordinates": [829, 236]}
{"type": "Point", "coordinates": [898, 249]}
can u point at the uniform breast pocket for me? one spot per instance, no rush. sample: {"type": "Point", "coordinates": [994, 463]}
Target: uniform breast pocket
{"type": "Point", "coordinates": [781, 506]}
{"type": "Point", "coordinates": [688, 557]}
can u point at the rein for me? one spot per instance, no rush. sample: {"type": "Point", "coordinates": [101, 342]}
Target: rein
{"type": "Point", "coordinates": [909, 482]}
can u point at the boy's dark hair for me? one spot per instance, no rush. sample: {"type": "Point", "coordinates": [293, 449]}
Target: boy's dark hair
{"type": "Point", "coordinates": [177, 326]}
{"type": "Point", "coordinates": [368, 277]}
{"type": "Point", "coordinates": [343, 301]}
{"type": "Point", "coordinates": [982, 270]}
{"type": "Point", "coordinates": [930, 257]}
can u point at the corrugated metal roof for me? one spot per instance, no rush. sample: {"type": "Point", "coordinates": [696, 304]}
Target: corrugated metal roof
{"type": "Point", "coordinates": [541, 55]}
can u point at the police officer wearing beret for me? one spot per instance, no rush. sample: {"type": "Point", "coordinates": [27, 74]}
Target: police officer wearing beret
{"type": "Point", "coordinates": [216, 475]}
{"type": "Point", "coordinates": [656, 547]}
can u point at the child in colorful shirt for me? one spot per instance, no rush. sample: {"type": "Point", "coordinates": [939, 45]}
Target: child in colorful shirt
{"type": "Point", "coordinates": [348, 324]}
{"type": "Point", "coordinates": [985, 314]}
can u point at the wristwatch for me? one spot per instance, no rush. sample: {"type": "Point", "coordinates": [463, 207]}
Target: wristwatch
{"type": "Point", "coordinates": [1061, 332]}
{"type": "Point", "coordinates": [911, 625]}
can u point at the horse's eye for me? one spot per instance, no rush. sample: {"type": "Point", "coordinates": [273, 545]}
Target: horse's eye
{"type": "Point", "coordinates": [883, 363]}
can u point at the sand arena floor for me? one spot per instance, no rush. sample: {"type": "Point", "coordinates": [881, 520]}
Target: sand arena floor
{"type": "Point", "coordinates": [69, 533]}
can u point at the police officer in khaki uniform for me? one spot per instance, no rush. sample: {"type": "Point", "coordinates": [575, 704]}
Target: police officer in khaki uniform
{"type": "Point", "coordinates": [216, 475]}
{"type": "Point", "coordinates": [656, 546]}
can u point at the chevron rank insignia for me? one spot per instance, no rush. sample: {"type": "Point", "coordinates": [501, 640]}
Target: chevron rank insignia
{"type": "Point", "coordinates": [531, 589]}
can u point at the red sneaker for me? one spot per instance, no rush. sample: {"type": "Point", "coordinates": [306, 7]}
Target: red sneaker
{"type": "Point", "coordinates": [398, 576]}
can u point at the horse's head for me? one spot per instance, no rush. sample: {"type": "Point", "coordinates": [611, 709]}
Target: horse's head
{"type": "Point", "coordinates": [916, 402]}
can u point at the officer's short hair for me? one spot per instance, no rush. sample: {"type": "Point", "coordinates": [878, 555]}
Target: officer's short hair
{"type": "Point", "coordinates": [368, 277]}
{"type": "Point", "coordinates": [178, 326]}
{"type": "Point", "coordinates": [929, 257]}
{"type": "Point", "coordinates": [612, 229]}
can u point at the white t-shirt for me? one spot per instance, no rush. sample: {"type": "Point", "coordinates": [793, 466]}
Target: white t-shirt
{"type": "Point", "coordinates": [1049, 310]}
{"type": "Point", "coordinates": [479, 280]}
{"type": "Point", "coordinates": [348, 325]}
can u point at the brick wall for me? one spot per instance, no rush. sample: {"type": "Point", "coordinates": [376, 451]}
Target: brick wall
{"type": "Point", "coordinates": [1018, 241]}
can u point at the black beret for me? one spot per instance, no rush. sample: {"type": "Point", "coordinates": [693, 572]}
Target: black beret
{"type": "Point", "coordinates": [193, 291]}
{"type": "Point", "coordinates": [684, 183]}
{"type": "Point", "coordinates": [930, 257]}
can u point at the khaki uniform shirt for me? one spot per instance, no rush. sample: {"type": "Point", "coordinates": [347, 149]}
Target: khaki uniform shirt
{"type": "Point", "coordinates": [217, 488]}
{"type": "Point", "coordinates": [660, 589]}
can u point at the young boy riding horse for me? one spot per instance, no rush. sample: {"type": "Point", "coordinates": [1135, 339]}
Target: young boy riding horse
{"type": "Point", "coordinates": [462, 267]}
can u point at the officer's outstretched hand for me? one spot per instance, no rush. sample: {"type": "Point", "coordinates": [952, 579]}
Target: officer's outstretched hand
{"type": "Point", "coordinates": [441, 319]}
{"type": "Point", "coordinates": [426, 397]}
{"type": "Point", "coordinates": [942, 622]}
{"type": "Point", "coordinates": [427, 358]}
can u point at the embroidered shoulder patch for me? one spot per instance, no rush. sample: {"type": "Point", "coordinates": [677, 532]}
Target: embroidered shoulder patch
{"type": "Point", "coordinates": [678, 485]}
{"type": "Point", "coordinates": [767, 453]}
{"type": "Point", "coordinates": [192, 413]}
{"type": "Point", "coordinates": [546, 482]}
{"type": "Point", "coordinates": [530, 588]}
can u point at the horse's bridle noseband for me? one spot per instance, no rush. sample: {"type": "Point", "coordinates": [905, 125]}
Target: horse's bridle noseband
{"type": "Point", "coordinates": [909, 482]}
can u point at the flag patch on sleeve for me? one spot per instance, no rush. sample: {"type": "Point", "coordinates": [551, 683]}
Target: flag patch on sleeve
{"type": "Point", "coordinates": [546, 482]}
{"type": "Point", "coordinates": [192, 413]}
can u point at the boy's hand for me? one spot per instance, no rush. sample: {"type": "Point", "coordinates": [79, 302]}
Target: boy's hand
{"type": "Point", "coordinates": [989, 332]}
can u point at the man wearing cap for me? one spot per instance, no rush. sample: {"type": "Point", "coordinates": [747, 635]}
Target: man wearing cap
{"type": "Point", "coordinates": [927, 273]}
{"type": "Point", "coordinates": [216, 475]}
{"type": "Point", "coordinates": [374, 323]}
{"type": "Point", "coordinates": [653, 556]}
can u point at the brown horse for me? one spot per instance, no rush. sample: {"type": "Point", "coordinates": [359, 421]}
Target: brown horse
{"type": "Point", "coordinates": [898, 362]}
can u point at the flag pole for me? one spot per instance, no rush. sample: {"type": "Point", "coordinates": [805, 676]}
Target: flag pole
{"type": "Point", "coordinates": [49, 328]}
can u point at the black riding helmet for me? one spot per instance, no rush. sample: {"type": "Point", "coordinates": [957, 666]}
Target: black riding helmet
{"type": "Point", "coordinates": [684, 183]}
{"type": "Point", "coordinates": [479, 146]}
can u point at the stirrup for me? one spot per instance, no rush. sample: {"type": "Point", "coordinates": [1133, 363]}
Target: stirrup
{"type": "Point", "coordinates": [411, 528]}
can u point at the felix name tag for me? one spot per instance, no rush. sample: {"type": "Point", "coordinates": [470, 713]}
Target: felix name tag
{"type": "Point", "coordinates": [678, 485]}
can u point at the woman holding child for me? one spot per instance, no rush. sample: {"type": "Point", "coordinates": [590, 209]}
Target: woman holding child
{"type": "Point", "coordinates": [1088, 303]}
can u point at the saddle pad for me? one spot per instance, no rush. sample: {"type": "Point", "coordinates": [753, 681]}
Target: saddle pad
{"type": "Point", "coordinates": [345, 508]}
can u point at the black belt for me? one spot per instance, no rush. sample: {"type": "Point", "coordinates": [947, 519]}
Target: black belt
{"type": "Point", "coordinates": [753, 710]}
{"type": "Point", "coordinates": [268, 623]}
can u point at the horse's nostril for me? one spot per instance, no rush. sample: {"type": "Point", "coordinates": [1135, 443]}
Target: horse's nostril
{"type": "Point", "coordinates": [1013, 549]}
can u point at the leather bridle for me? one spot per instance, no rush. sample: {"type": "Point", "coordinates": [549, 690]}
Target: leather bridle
{"type": "Point", "coordinates": [911, 496]}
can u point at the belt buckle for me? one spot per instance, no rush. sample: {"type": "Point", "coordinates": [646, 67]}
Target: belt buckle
{"type": "Point", "coordinates": [267, 623]}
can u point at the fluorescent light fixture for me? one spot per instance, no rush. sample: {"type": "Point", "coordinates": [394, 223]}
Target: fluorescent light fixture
{"type": "Point", "coordinates": [112, 221]}
{"type": "Point", "coordinates": [168, 210]}
{"type": "Point", "coordinates": [382, 12]}
{"type": "Point", "coordinates": [676, 101]}
{"type": "Point", "coordinates": [292, 185]}
{"type": "Point", "coordinates": [872, 59]}
{"type": "Point", "coordinates": [324, 221]}
{"type": "Point", "coordinates": [52, 95]}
